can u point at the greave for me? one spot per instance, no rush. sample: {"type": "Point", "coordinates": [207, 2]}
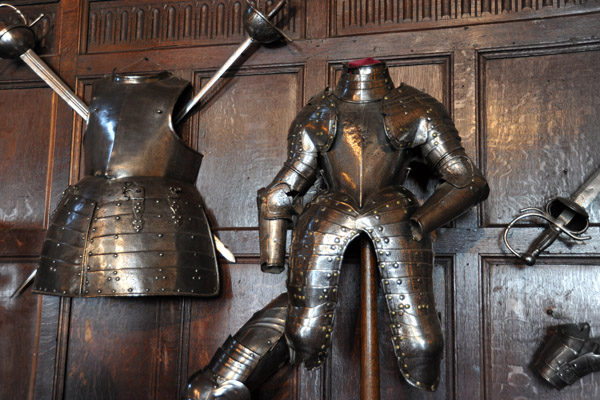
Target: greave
{"type": "Point", "coordinates": [245, 360]}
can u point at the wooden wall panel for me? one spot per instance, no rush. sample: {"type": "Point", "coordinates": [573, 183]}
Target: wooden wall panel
{"type": "Point", "coordinates": [124, 348]}
{"type": "Point", "coordinates": [24, 160]}
{"type": "Point", "coordinates": [243, 112]}
{"type": "Point", "coordinates": [19, 329]}
{"type": "Point", "coordinates": [520, 304]}
{"type": "Point", "coordinates": [539, 126]}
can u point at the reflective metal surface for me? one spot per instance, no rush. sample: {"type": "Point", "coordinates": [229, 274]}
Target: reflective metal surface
{"type": "Point", "coordinates": [135, 224]}
{"type": "Point", "coordinates": [259, 26]}
{"type": "Point", "coordinates": [564, 215]}
{"type": "Point", "coordinates": [245, 360]}
{"type": "Point", "coordinates": [15, 37]}
{"type": "Point", "coordinates": [17, 41]}
{"type": "Point", "coordinates": [260, 29]}
{"type": "Point", "coordinates": [360, 137]}
{"type": "Point", "coordinates": [568, 355]}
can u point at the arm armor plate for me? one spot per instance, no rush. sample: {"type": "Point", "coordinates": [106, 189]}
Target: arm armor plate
{"type": "Point", "coordinates": [568, 355]}
{"type": "Point", "coordinates": [313, 130]}
{"type": "Point", "coordinates": [415, 119]}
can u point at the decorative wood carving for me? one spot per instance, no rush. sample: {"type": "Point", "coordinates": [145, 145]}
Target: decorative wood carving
{"type": "Point", "coordinates": [362, 16]}
{"type": "Point", "coordinates": [131, 25]}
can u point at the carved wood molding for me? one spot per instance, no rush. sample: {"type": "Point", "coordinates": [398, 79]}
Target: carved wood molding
{"type": "Point", "coordinates": [44, 29]}
{"type": "Point", "coordinates": [114, 26]}
{"type": "Point", "coordinates": [369, 16]}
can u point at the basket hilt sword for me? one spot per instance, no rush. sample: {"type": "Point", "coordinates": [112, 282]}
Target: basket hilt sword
{"type": "Point", "coordinates": [564, 215]}
{"type": "Point", "coordinates": [17, 41]}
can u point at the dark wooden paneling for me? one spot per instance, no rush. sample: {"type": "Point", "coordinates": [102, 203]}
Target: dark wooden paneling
{"type": "Point", "coordinates": [520, 304]}
{"type": "Point", "coordinates": [24, 157]}
{"type": "Point", "coordinates": [19, 328]}
{"type": "Point", "coordinates": [254, 107]}
{"type": "Point", "coordinates": [110, 336]}
{"type": "Point", "coordinates": [539, 126]}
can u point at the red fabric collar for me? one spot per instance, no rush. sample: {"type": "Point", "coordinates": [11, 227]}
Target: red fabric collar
{"type": "Point", "coordinates": [362, 62]}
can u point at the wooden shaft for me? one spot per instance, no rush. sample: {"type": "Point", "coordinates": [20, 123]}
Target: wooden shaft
{"type": "Point", "coordinates": [369, 356]}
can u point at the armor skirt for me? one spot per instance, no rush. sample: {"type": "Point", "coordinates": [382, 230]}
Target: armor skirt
{"type": "Point", "coordinates": [405, 266]}
{"type": "Point", "coordinates": [130, 236]}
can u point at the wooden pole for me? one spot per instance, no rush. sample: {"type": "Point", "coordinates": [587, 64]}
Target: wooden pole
{"type": "Point", "coordinates": [369, 356]}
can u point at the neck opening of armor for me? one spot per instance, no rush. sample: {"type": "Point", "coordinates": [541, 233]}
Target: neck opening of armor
{"type": "Point", "coordinates": [132, 78]}
{"type": "Point", "coordinates": [363, 81]}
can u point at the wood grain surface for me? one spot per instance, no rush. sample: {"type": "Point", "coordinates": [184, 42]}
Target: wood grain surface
{"type": "Point", "coordinates": [521, 81]}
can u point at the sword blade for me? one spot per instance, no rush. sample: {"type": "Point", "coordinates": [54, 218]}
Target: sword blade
{"type": "Point", "coordinates": [221, 248]}
{"type": "Point", "coordinates": [42, 70]}
{"type": "Point", "coordinates": [587, 192]}
{"type": "Point", "coordinates": [25, 283]}
{"type": "Point", "coordinates": [232, 58]}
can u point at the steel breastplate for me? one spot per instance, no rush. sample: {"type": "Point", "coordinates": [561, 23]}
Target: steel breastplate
{"type": "Point", "coordinates": [130, 131]}
{"type": "Point", "coordinates": [362, 161]}
{"type": "Point", "coordinates": [135, 225]}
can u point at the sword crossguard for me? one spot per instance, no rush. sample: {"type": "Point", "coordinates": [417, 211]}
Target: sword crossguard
{"type": "Point", "coordinates": [563, 216]}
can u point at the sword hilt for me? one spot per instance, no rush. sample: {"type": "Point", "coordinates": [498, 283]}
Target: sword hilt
{"type": "Point", "coordinates": [563, 215]}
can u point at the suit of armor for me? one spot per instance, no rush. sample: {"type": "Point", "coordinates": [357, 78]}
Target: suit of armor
{"type": "Point", "coordinates": [361, 137]}
{"type": "Point", "coordinates": [135, 223]}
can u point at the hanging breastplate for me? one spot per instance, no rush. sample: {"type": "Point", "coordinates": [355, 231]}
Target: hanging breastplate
{"type": "Point", "coordinates": [135, 224]}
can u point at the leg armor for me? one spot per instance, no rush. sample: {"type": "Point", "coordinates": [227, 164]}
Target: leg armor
{"type": "Point", "coordinates": [569, 355]}
{"type": "Point", "coordinates": [324, 230]}
{"type": "Point", "coordinates": [245, 360]}
{"type": "Point", "coordinates": [405, 269]}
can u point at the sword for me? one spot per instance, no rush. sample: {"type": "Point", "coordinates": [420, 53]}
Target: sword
{"type": "Point", "coordinates": [260, 29]}
{"type": "Point", "coordinates": [564, 215]}
{"type": "Point", "coordinates": [17, 41]}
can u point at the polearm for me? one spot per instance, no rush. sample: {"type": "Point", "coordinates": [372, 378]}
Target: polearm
{"type": "Point", "coordinates": [17, 41]}
{"type": "Point", "coordinates": [564, 215]}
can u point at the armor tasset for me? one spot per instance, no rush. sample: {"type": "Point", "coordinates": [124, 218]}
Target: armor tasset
{"type": "Point", "coordinates": [135, 224]}
{"type": "Point", "coordinates": [360, 137]}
